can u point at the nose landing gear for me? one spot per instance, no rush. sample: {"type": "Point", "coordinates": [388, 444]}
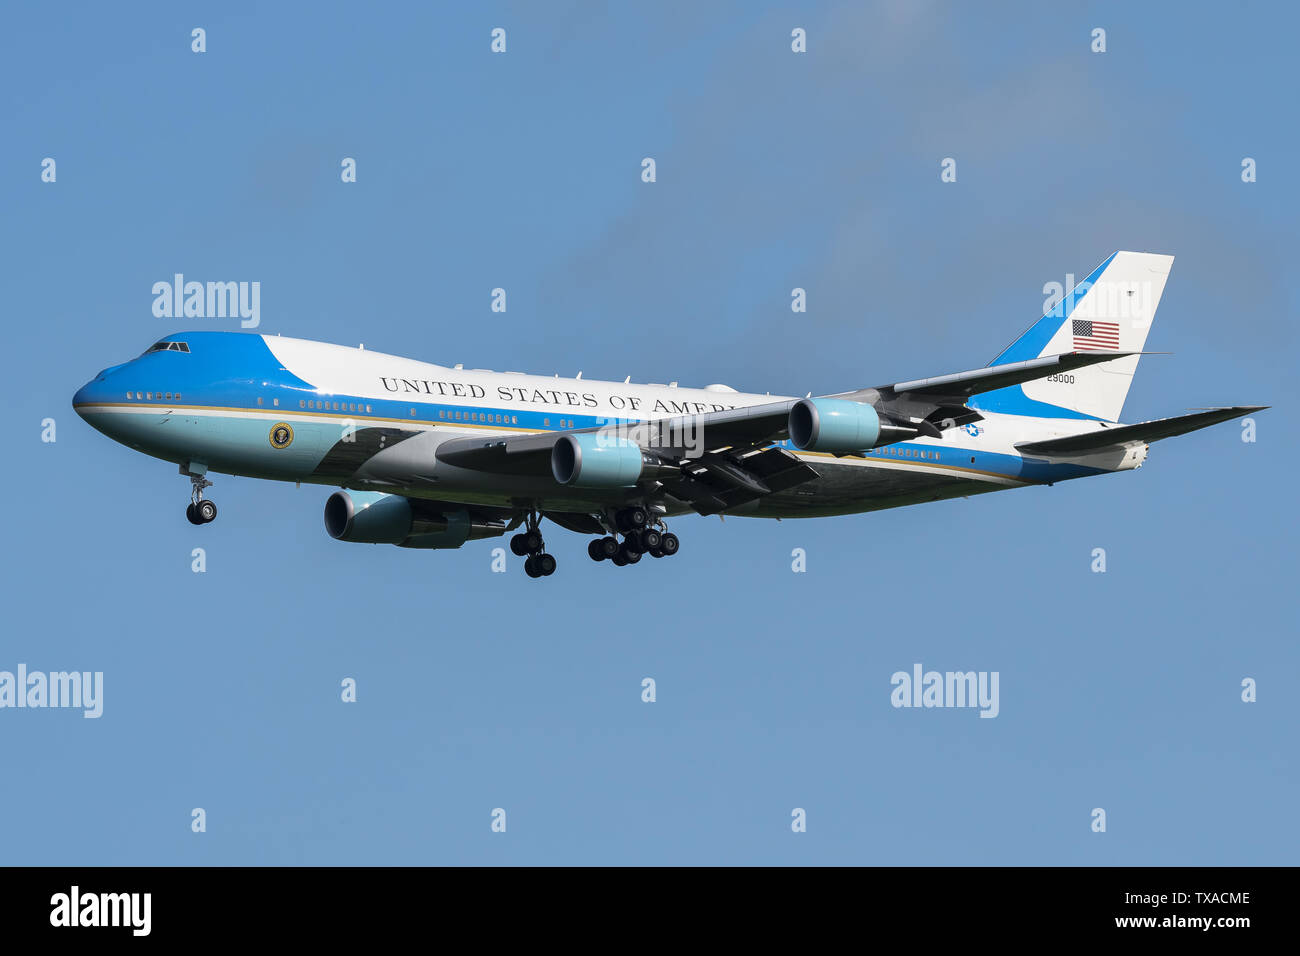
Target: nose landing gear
{"type": "Point", "coordinates": [199, 510]}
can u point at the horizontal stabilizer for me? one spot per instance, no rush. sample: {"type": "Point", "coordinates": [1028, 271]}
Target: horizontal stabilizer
{"type": "Point", "coordinates": [1108, 437]}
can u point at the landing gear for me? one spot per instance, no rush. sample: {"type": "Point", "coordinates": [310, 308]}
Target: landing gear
{"type": "Point", "coordinates": [529, 542]}
{"type": "Point", "coordinates": [631, 519]}
{"type": "Point", "coordinates": [199, 510]}
{"type": "Point", "coordinates": [539, 565]}
{"type": "Point", "coordinates": [642, 535]}
{"type": "Point", "coordinates": [602, 548]}
{"type": "Point", "coordinates": [201, 513]}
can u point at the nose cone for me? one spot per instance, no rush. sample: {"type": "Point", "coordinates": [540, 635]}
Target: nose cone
{"type": "Point", "coordinates": [91, 398]}
{"type": "Point", "coordinates": [90, 395]}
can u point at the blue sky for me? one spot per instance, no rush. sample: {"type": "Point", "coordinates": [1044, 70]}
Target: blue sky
{"type": "Point", "coordinates": [775, 170]}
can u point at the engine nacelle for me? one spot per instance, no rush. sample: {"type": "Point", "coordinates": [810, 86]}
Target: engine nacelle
{"type": "Point", "coordinates": [604, 461]}
{"type": "Point", "coordinates": [834, 425]}
{"type": "Point", "coordinates": [372, 517]}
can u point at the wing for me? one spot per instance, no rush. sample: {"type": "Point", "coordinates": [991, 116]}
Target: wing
{"type": "Point", "coordinates": [934, 404]}
{"type": "Point", "coordinates": [722, 459]}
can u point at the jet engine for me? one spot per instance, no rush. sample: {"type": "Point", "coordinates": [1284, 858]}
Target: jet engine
{"type": "Point", "coordinates": [843, 427]}
{"type": "Point", "coordinates": [372, 517]}
{"type": "Point", "coordinates": [602, 460]}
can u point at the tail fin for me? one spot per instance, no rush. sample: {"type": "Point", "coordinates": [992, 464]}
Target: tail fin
{"type": "Point", "coordinates": [1111, 310]}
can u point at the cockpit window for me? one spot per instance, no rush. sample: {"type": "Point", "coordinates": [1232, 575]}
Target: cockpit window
{"type": "Point", "coordinates": [167, 347]}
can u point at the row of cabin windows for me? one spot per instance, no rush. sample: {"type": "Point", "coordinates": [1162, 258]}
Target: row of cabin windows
{"type": "Point", "coordinates": [486, 417]}
{"type": "Point", "coordinates": [330, 406]}
{"type": "Point", "coordinates": [149, 396]}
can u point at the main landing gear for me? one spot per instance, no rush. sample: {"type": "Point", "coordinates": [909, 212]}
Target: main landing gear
{"type": "Point", "coordinates": [529, 542]}
{"type": "Point", "coordinates": [641, 535]}
{"type": "Point", "coordinates": [199, 510]}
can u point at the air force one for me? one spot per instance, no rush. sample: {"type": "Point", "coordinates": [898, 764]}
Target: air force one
{"type": "Point", "coordinates": [432, 457]}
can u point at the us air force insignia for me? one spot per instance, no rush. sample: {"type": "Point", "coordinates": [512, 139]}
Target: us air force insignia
{"type": "Point", "coordinates": [281, 435]}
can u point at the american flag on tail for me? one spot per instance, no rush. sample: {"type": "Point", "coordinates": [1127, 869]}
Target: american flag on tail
{"type": "Point", "coordinates": [1091, 335]}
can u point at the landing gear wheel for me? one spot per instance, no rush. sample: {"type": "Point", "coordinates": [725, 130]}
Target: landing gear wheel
{"type": "Point", "coordinates": [630, 519]}
{"type": "Point", "coordinates": [545, 564]}
{"type": "Point", "coordinates": [205, 511]}
{"type": "Point", "coordinates": [594, 550]}
{"type": "Point", "coordinates": [669, 544]}
{"type": "Point", "coordinates": [532, 541]}
{"type": "Point", "coordinates": [619, 560]}
{"type": "Point", "coordinates": [650, 539]}
{"type": "Point", "coordinates": [608, 546]}
{"type": "Point", "coordinates": [628, 554]}
{"type": "Point", "coordinates": [519, 545]}
{"type": "Point", "coordinates": [530, 567]}
{"type": "Point", "coordinates": [189, 513]}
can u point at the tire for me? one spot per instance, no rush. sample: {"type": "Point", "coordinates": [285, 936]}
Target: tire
{"type": "Point", "coordinates": [530, 568]}
{"type": "Point", "coordinates": [608, 546]}
{"type": "Point", "coordinates": [545, 564]}
{"type": "Point", "coordinates": [650, 539]}
{"type": "Point", "coordinates": [637, 516]}
{"type": "Point", "coordinates": [533, 541]}
{"type": "Point", "coordinates": [594, 550]}
{"type": "Point", "coordinates": [206, 511]}
{"type": "Point", "coordinates": [619, 560]}
{"type": "Point", "coordinates": [517, 545]}
{"type": "Point", "coordinates": [656, 552]}
{"type": "Point", "coordinates": [189, 513]}
{"type": "Point", "coordinates": [629, 555]}
{"type": "Point", "coordinates": [669, 544]}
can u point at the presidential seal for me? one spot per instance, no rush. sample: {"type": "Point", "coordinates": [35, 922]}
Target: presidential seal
{"type": "Point", "coordinates": [281, 435]}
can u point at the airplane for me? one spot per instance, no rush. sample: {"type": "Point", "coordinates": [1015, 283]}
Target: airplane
{"type": "Point", "coordinates": [430, 457]}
